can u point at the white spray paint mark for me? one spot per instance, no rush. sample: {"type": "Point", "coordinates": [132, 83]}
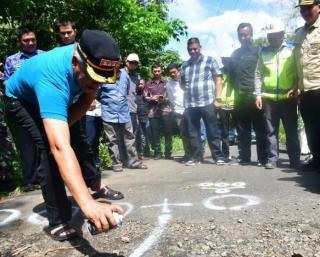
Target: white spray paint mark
{"type": "Point", "coordinates": [38, 218]}
{"type": "Point", "coordinates": [222, 187]}
{"type": "Point", "coordinates": [129, 206]}
{"type": "Point", "coordinates": [250, 200]}
{"type": "Point", "coordinates": [165, 205]}
{"type": "Point", "coordinates": [15, 214]}
{"type": "Point", "coordinates": [156, 233]}
{"type": "Point", "coordinates": [154, 237]}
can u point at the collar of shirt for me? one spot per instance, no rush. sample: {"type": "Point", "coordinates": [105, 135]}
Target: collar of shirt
{"type": "Point", "coordinates": [190, 62]}
{"type": "Point", "coordinates": [161, 81]}
{"type": "Point", "coordinates": [23, 55]}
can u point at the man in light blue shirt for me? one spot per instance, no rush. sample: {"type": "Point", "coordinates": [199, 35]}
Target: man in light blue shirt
{"type": "Point", "coordinates": [42, 102]}
{"type": "Point", "coordinates": [117, 124]}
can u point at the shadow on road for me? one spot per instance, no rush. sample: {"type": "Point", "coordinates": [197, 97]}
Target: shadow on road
{"type": "Point", "coordinates": [308, 180]}
{"type": "Point", "coordinates": [83, 246]}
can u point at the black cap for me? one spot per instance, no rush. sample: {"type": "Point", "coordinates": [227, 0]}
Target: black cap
{"type": "Point", "coordinates": [101, 54]}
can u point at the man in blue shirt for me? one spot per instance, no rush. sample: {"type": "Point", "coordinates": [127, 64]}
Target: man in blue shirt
{"type": "Point", "coordinates": [117, 124]}
{"type": "Point", "coordinates": [27, 149]}
{"type": "Point", "coordinates": [42, 102]}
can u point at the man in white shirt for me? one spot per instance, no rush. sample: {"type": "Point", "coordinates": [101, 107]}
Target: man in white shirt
{"type": "Point", "coordinates": [175, 95]}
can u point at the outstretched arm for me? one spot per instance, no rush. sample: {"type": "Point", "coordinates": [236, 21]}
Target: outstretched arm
{"type": "Point", "coordinates": [57, 132]}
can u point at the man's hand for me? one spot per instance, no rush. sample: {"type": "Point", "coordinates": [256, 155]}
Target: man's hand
{"type": "Point", "coordinates": [259, 102]}
{"type": "Point", "coordinates": [217, 103]}
{"type": "Point", "coordinates": [100, 213]}
{"type": "Point", "coordinates": [291, 93]}
{"type": "Point", "coordinates": [93, 105]}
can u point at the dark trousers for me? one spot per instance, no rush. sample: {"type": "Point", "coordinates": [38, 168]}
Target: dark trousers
{"type": "Point", "coordinates": [286, 110]}
{"type": "Point", "coordinates": [193, 117]}
{"type": "Point", "coordinates": [52, 185]}
{"type": "Point", "coordinates": [310, 112]}
{"type": "Point", "coordinates": [224, 125]}
{"type": "Point", "coordinates": [143, 144]}
{"type": "Point", "coordinates": [134, 122]}
{"type": "Point", "coordinates": [28, 155]}
{"type": "Point", "coordinates": [93, 130]}
{"type": "Point", "coordinates": [247, 116]}
{"type": "Point", "coordinates": [182, 125]}
{"type": "Point", "coordinates": [165, 122]}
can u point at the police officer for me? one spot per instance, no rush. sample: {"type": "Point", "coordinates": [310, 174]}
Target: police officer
{"type": "Point", "coordinates": [307, 54]}
{"type": "Point", "coordinates": [275, 85]}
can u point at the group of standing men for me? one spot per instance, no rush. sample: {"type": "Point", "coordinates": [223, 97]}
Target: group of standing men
{"type": "Point", "coordinates": [47, 96]}
{"type": "Point", "coordinates": [268, 85]}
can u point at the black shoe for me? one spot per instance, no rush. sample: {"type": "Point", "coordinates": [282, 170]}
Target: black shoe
{"type": "Point", "coordinates": [169, 157]}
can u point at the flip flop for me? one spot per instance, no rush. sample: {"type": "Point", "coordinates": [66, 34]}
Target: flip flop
{"type": "Point", "coordinates": [61, 232]}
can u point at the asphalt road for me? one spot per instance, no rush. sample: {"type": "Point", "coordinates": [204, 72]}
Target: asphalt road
{"type": "Point", "coordinates": [175, 210]}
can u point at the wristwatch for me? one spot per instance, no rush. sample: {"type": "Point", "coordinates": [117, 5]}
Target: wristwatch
{"type": "Point", "coordinates": [218, 99]}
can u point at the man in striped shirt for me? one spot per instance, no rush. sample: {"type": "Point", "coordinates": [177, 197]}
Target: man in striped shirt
{"type": "Point", "coordinates": [201, 80]}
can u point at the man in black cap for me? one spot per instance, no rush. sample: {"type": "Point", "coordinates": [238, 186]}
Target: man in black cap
{"type": "Point", "coordinates": [42, 103]}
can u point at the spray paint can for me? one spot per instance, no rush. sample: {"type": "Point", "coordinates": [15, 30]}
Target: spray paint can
{"type": "Point", "coordinates": [92, 229]}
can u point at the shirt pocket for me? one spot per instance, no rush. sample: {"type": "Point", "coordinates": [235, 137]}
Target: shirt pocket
{"type": "Point", "coordinates": [314, 48]}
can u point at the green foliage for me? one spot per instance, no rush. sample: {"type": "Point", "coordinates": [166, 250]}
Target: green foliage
{"type": "Point", "coordinates": [164, 58]}
{"type": "Point", "coordinates": [141, 28]}
{"type": "Point", "coordinates": [105, 160]}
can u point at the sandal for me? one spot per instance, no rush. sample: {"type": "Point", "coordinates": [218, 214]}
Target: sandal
{"type": "Point", "coordinates": [61, 232]}
{"type": "Point", "coordinates": [110, 194]}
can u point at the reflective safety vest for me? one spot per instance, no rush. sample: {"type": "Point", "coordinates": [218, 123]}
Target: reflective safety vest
{"type": "Point", "coordinates": [278, 72]}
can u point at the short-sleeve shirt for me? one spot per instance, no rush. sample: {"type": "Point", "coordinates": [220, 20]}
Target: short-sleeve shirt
{"type": "Point", "coordinates": [197, 79]}
{"type": "Point", "coordinates": [307, 54]}
{"type": "Point", "coordinates": [46, 81]}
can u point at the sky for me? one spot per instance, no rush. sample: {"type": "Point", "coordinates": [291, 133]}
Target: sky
{"type": "Point", "coordinates": [215, 22]}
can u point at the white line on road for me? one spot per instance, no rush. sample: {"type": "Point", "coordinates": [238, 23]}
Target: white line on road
{"type": "Point", "coordinates": [250, 200]}
{"type": "Point", "coordinates": [154, 237]}
{"type": "Point", "coordinates": [15, 214]}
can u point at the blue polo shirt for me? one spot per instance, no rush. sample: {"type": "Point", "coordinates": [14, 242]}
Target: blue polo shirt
{"type": "Point", "coordinates": [46, 81]}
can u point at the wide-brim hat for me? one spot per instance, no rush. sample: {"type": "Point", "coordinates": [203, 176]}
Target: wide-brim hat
{"type": "Point", "coordinates": [101, 54]}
